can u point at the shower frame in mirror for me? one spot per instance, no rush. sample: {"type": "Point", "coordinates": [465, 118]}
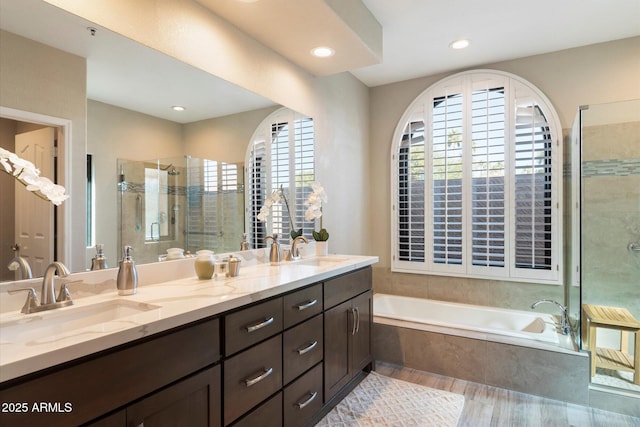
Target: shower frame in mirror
{"type": "Point", "coordinates": [62, 214]}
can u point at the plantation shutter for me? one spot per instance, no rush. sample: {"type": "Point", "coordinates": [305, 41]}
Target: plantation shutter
{"type": "Point", "coordinates": [257, 194]}
{"type": "Point", "coordinates": [281, 157]}
{"type": "Point", "coordinates": [477, 184]}
{"type": "Point", "coordinates": [304, 172]}
{"type": "Point", "coordinates": [232, 198]}
{"type": "Point", "coordinates": [446, 173]}
{"type": "Point", "coordinates": [488, 178]}
{"type": "Point", "coordinates": [411, 187]}
{"type": "Point", "coordinates": [533, 189]}
{"type": "Point", "coordinates": [280, 169]}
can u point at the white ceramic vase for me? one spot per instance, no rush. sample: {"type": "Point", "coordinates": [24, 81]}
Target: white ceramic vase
{"type": "Point", "coordinates": [322, 248]}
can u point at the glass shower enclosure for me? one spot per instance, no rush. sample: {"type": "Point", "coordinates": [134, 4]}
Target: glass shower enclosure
{"type": "Point", "coordinates": [180, 202]}
{"type": "Point", "coordinates": [606, 161]}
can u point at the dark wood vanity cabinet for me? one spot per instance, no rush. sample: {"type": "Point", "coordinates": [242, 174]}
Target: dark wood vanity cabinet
{"type": "Point", "coordinates": [273, 363]}
{"type": "Point", "coordinates": [347, 329]}
{"type": "Point", "coordinates": [193, 402]}
{"type": "Point", "coordinates": [93, 386]}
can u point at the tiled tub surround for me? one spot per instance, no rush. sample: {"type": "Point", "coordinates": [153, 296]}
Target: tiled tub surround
{"type": "Point", "coordinates": [172, 286]}
{"type": "Point", "coordinates": [557, 371]}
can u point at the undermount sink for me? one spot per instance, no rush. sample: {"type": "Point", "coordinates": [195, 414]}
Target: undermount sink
{"type": "Point", "coordinates": [321, 261]}
{"type": "Point", "coordinates": [63, 322]}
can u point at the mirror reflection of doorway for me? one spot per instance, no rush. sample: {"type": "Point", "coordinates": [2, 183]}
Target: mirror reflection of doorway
{"type": "Point", "coordinates": [27, 221]}
{"type": "Point", "coordinates": [34, 219]}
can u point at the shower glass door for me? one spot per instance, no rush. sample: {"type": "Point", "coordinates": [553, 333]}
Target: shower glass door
{"type": "Point", "coordinates": [610, 227]}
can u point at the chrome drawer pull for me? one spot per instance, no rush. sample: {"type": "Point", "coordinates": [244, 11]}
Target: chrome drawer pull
{"type": "Point", "coordinates": [260, 325]}
{"type": "Point", "coordinates": [353, 325]}
{"type": "Point", "coordinates": [301, 405]}
{"type": "Point", "coordinates": [251, 381]}
{"type": "Point", "coordinates": [307, 305]}
{"type": "Point", "coordinates": [358, 319]}
{"type": "Point", "coordinates": [307, 348]}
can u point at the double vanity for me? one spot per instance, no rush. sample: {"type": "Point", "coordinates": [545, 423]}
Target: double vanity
{"type": "Point", "coordinates": [276, 345]}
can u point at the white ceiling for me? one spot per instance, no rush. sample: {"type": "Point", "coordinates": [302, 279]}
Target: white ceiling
{"type": "Point", "coordinates": [417, 33]}
{"type": "Point", "coordinates": [415, 39]}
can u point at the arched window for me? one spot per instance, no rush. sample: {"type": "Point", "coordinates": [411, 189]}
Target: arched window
{"type": "Point", "coordinates": [476, 181]}
{"type": "Point", "coordinates": [280, 157]}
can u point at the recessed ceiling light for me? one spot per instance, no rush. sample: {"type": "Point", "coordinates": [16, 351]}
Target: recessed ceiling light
{"type": "Point", "coordinates": [322, 52]}
{"type": "Point", "coordinates": [459, 44]}
{"type": "Point", "coordinates": [178, 108]}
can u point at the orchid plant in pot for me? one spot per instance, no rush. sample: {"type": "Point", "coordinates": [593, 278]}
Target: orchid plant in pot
{"type": "Point", "coordinates": [278, 196]}
{"type": "Point", "coordinates": [314, 210]}
{"type": "Point", "coordinates": [26, 173]}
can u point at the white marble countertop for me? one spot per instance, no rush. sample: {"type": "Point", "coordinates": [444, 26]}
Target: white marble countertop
{"type": "Point", "coordinates": [58, 336]}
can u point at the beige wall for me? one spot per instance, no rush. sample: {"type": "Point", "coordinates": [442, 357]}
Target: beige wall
{"type": "Point", "coordinates": [594, 74]}
{"type": "Point", "coordinates": [223, 138]}
{"type": "Point", "coordinates": [53, 83]}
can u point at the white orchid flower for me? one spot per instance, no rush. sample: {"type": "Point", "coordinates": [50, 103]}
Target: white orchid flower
{"type": "Point", "coordinates": [28, 175]}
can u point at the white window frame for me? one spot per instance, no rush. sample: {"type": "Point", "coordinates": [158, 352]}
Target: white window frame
{"type": "Point", "coordinates": [420, 109]}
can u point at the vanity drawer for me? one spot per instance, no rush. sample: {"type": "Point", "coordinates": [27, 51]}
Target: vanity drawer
{"type": "Point", "coordinates": [302, 348]}
{"type": "Point", "coordinates": [268, 414]}
{"type": "Point", "coordinates": [252, 376]}
{"type": "Point", "coordinates": [303, 304]}
{"type": "Point", "coordinates": [251, 325]}
{"type": "Point", "coordinates": [346, 286]}
{"type": "Point", "coordinates": [303, 398]}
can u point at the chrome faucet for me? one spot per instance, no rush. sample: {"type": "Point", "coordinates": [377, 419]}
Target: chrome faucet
{"type": "Point", "coordinates": [564, 317]}
{"type": "Point", "coordinates": [295, 252]}
{"type": "Point", "coordinates": [48, 299]}
{"type": "Point", "coordinates": [48, 294]}
{"type": "Point", "coordinates": [19, 263]}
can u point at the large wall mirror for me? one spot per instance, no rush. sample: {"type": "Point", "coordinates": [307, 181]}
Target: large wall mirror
{"type": "Point", "coordinates": [132, 134]}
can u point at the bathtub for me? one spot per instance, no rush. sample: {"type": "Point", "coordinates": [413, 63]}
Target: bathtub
{"type": "Point", "coordinates": [490, 320]}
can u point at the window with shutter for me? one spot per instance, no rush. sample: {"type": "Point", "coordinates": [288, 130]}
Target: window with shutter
{"type": "Point", "coordinates": [477, 181]}
{"type": "Point", "coordinates": [280, 157]}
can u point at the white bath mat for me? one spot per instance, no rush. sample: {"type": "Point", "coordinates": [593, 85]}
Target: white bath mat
{"type": "Point", "coordinates": [380, 401]}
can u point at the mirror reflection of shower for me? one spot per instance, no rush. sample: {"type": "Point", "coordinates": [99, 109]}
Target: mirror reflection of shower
{"type": "Point", "coordinates": [181, 202]}
{"type": "Point", "coordinates": [173, 171]}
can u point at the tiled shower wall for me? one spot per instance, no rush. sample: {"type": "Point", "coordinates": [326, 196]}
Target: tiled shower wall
{"type": "Point", "coordinates": [611, 214]}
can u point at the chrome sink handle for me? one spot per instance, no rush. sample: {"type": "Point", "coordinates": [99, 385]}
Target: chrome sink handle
{"type": "Point", "coordinates": [32, 303]}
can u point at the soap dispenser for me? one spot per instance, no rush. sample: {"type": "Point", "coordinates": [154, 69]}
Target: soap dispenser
{"type": "Point", "coordinates": [127, 275]}
{"type": "Point", "coordinates": [274, 255]}
{"type": "Point", "coordinates": [99, 262]}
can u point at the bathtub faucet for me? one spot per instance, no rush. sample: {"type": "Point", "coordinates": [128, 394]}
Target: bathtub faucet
{"type": "Point", "coordinates": [564, 318]}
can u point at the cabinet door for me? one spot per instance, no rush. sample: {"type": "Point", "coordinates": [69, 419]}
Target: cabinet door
{"type": "Point", "coordinates": [192, 402]}
{"type": "Point", "coordinates": [337, 330]}
{"type": "Point", "coordinates": [361, 338]}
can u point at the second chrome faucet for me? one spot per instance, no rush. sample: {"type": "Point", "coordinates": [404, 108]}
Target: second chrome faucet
{"type": "Point", "coordinates": [48, 300]}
